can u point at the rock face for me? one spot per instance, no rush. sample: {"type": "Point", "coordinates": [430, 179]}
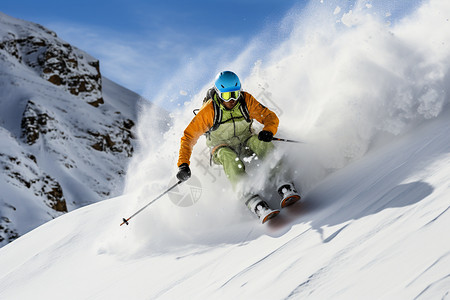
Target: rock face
{"type": "Point", "coordinates": [42, 185]}
{"type": "Point", "coordinates": [57, 62]}
{"type": "Point", "coordinates": [35, 122]}
{"type": "Point", "coordinates": [66, 132]}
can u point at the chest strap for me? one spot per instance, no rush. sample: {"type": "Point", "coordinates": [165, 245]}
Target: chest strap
{"type": "Point", "coordinates": [218, 113]}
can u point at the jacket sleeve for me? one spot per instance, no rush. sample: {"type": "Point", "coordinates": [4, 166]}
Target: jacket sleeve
{"type": "Point", "coordinates": [262, 114]}
{"type": "Point", "coordinates": [199, 125]}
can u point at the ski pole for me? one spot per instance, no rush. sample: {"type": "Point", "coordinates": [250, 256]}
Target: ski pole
{"type": "Point", "coordinates": [289, 141]}
{"type": "Point", "coordinates": [125, 221]}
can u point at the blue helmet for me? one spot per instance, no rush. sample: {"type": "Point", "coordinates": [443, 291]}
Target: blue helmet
{"type": "Point", "coordinates": [227, 81]}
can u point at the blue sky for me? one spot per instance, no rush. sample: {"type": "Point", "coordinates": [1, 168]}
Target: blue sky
{"type": "Point", "coordinates": [167, 51]}
{"type": "Point", "coordinates": [142, 45]}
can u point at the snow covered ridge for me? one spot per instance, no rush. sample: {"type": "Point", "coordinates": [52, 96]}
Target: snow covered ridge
{"type": "Point", "coordinates": [66, 133]}
{"type": "Point", "coordinates": [53, 59]}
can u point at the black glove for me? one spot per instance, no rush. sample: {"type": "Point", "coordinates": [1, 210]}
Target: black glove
{"type": "Point", "coordinates": [184, 172]}
{"type": "Point", "coordinates": [265, 136]}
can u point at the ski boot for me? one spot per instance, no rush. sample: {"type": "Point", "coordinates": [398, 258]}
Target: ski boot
{"type": "Point", "coordinates": [289, 195]}
{"type": "Point", "coordinates": [260, 208]}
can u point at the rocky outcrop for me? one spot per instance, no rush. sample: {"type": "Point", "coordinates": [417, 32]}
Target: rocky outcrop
{"type": "Point", "coordinates": [116, 138]}
{"type": "Point", "coordinates": [27, 174]}
{"type": "Point", "coordinates": [7, 232]}
{"type": "Point", "coordinates": [59, 63]}
{"type": "Point", "coordinates": [35, 122]}
{"type": "Point", "coordinates": [21, 173]}
{"type": "Point", "coordinates": [66, 132]}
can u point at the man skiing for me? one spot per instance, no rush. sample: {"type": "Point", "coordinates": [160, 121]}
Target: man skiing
{"type": "Point", "coordinates": [226, 118]}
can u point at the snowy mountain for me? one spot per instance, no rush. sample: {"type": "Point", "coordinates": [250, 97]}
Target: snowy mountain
{"type": "Point", "coordinates": [376, 229]}
{"type": "Point", "coordinates": [66, 133]}
{"type": "Point", "coordinates": [371, 101]}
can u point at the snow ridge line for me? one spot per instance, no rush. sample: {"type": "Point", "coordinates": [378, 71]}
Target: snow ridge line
{"type": "Point", "coordinates": [428, 269]}
{"type": "Point", "coordinates": [265, 257]}
{"type": "Point", "coordinates": [442, 213]}
{"type": "Point", "coordinates": [444, 279]}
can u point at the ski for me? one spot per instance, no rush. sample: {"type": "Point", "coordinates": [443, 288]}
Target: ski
{"type": "Point", "coordinates": [289, 195]}
{"type": "Point", "coordinates": [261, 209]}
{"type": "Point", "coordinates": [289, 200]}
{"type": "Point", "coordinates": [270, 215]}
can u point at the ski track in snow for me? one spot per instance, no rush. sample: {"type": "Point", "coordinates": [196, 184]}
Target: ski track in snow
{"type": "Point", "coordinates": [249, 268]}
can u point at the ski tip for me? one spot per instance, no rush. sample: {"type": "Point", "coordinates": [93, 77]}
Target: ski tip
{"type": "Point", "coordinates": [270, 216]}
{"type": "Point", "coordinates": [290, 200]}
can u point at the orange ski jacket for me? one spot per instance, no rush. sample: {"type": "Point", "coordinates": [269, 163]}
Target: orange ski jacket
{"type": "Point", "coordinates": [204, 120]}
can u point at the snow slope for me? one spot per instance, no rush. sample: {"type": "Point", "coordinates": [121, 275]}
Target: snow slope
{"type": "Point", "coordinates": [372, 102]}
{"type": "Point", "coordinates": [374, 230]}
{"type": "Point", "coordinates": [66, 133]}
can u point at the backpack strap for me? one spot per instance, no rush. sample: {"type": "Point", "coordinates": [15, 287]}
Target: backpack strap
{"type": "Point", "coordinates": [243, 107]}
{"type": "Point", "coordinates": [211, 94]}
{"type": "Point", "coordinates": [217, 113]}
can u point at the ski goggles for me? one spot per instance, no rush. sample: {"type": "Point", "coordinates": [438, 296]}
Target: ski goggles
{"type": "Point", "coordinates": [228, 96]}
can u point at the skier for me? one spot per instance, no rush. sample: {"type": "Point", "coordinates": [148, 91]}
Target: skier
{"type": "Point", "coordinates": [226, 118]}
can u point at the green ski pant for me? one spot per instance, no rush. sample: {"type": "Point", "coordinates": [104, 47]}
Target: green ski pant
{"type": "Point", "coordinates": [231, 162]}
